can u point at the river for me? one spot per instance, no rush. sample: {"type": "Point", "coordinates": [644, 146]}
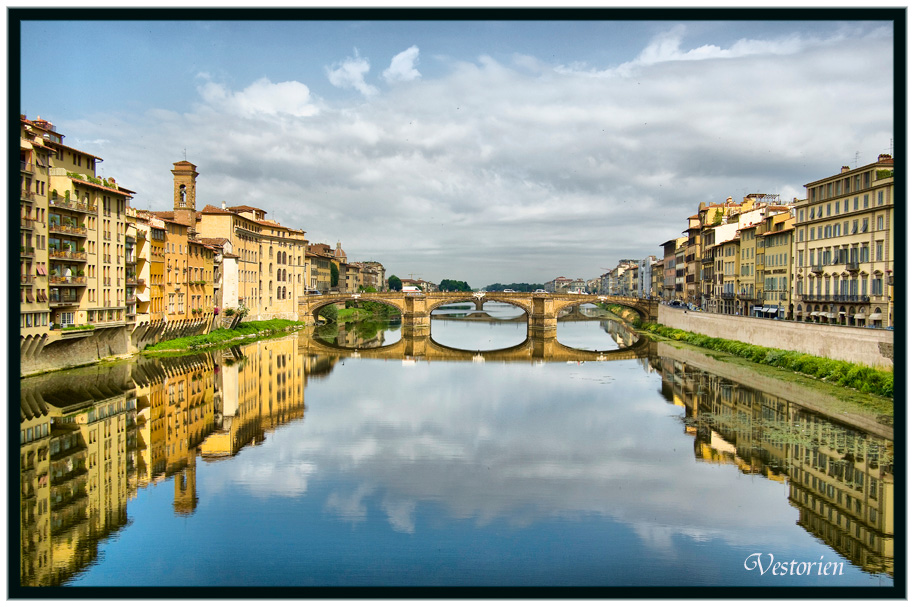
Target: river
{"type": "Point", "coordinates": [473, 458]}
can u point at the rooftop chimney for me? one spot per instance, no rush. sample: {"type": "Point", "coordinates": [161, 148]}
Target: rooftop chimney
{"type": "Point", "coordinates": [223, 204]}
{"type": "Point", "coordinates": [845, 169]}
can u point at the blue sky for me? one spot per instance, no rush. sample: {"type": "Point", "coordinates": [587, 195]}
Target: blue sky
{"type": "Point", "coordinates": [474, 150]}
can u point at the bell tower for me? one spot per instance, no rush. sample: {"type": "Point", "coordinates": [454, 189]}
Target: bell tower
{"type": "Point", "coordinates": [185, 193]}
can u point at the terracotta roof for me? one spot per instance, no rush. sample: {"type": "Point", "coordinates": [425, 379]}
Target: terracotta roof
{"type": "Point", "coordinates": [215, 210]}
{"type": "Point", "coordinates": [214, 241]}
{"type": "Point", "coordinates": [238, 209]}
{"type": "Point", "coordinates": [117, 190]}
{"type": "Point", "coordinates": [62, 145]}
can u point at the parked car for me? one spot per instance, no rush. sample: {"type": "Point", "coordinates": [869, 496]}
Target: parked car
{"type": "Point", "coordinates": [540, 291]}
{"type": "Point", "coordinates": [312, 292]}
{"type": "Point", "coordinates": [508, 291]}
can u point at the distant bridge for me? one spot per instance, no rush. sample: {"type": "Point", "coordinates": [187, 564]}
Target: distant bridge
{"type": "Point", "coordinates": [415, 308]}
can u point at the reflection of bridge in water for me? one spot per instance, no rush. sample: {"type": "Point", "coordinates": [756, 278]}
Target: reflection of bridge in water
{"type": "Point", "coordinates": [532, 349]}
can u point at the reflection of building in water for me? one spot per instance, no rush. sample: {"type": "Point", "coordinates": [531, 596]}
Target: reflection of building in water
{"type": "Point", "coordinates": [260, 387]}
{"type": "Point", "coordinates": [840, 479]}
{"type": "Point", "coordinates": [845, 491]}
{"type": "Point", "coordinates": [175, 399]}
{"type": "Point", "coordinates": [76, 456]}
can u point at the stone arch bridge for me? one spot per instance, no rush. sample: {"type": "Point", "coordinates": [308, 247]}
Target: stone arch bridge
{"type": "Point", "coordinates": [541, 308]}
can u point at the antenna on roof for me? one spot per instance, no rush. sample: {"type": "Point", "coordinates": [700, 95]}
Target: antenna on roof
{"type": "Point", "coordinates": [856, 159]}
{"type": "Point", "coordinates": [185, 154]}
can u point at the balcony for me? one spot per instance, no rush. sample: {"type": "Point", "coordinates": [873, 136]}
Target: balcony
{"type": "Point", "coordinates": [852, 266]}
{"type": "Point", "coordinates": [26, 167]}
{"type": "Point", "coordinates": [26, 251]}
{"type": "Point", "coordinates": [58, 228]}
{"type": "Point", "coordinates": [26, 223]}
{"type": "Point", "coordinates": [837, 298]}
{"type": "Point", "coordinates": [67, 203]}
{"type": "Point", "coordinates": [817, 268]}
{"type": "Point", "coordinates": [26, 279]}
{"type": "Point", "coordinates": [27, 195]}
{"type": "Point", "coordinates": [131, 281]}
{"type": "Point", "coordinates": [728, 295]}
{"type": "Point", "coordinates": [67, 254]}
{"type": "Point", "coordinates": [56, 301]}
{"type": "Point", "coordinates": [78, 281]}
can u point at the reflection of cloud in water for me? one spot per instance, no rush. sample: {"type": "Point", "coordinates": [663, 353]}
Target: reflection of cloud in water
{"type": "Point", "coordinates": [350, 507]}
{"type": "Point", "coordinates": [519, 443]}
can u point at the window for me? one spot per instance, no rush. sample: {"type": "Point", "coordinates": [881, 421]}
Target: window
{"type": "Point", "coordinates": [879, 200]}
{"type": "Point", "coordinates": [845, 205]}
{"type": "Point", "coordinates": [878, 250]}
{"type": "Point", "coordinates": [879, 223]}
{"type": "Point", "coordinates": [866, 224]}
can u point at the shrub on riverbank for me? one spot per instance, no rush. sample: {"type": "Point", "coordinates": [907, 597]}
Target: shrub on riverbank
{"type": "Point", "coordinates": [214, 338]}
{"type": "Point", "coordinates": [842, 373]}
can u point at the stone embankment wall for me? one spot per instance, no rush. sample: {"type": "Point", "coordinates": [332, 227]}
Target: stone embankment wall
{"type": "Point", "coordinates": [871, 347]}
{"type": "Point", "coordinates": [59, 350]}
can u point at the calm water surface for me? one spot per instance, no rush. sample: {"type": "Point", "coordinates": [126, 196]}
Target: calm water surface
{"type": "Point", "coordinates": [347, 459]}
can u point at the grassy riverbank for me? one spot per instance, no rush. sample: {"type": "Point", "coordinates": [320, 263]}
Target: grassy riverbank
{"type": "Point", "coordinates": [245, 332]}
{"type": "Point", "coordinates": [866, 380]}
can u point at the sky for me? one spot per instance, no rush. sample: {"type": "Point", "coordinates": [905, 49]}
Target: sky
{"type": "Point", "coordinates": [482, 150]}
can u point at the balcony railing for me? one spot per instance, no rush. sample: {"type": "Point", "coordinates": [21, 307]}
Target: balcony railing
{"type": "Point", "coordinates": [26, 279]}
{"type": "Point", "coordinates": [58, 254]}
{"type": "Point", "coordinates": [728, 295]}
{"type": "Point", "coordinates": [838, 298]}
{"type": "Point", "coordinates": [67, 203]}
{"type": "Point", "coordinates": [27, 195]}
{"type": "Point", "coordinates": [818, 268]}
{"type": "Point", "coordinates": [26, 251]}
{"type": "Point", "coordinates": [58, 301]}
{"type": "Point", "coordinates": [26, 167]}
{"type": "Point", "coordinates": [26, 223]}
{"type": "Point", "coordinates": [68, 280]}
{"type": "Point", "coordinates": [852, 266]}
{"type": "Point", "coordinates": [65, 229]}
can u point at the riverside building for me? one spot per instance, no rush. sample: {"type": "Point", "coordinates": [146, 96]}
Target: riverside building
{"type": "Point", "coordinates": [72, 234]}
{"type": "Point", "coordinates": [845, 248]}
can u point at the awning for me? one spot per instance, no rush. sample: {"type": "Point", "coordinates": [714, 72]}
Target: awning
{"type": "Point", "coordinates": [876, 316]}
{"type": "Point", "coordinates": [814, 313]}
{"type": "Point", "coordinates": [41, 271]}
{"type": "Point", "coordinates": [142, 296]}
{"type": "Point", "coordinates": [829, 315]}
{"type": "Point", "coordinates": [860, 316]}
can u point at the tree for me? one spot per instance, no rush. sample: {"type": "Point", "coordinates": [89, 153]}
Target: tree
{"type": "Point", "coordinates": [334, 275]}
{"type": "Point", "coordinates": [453, 285]}
{"type": "Point", "coordinates": [394, 283]}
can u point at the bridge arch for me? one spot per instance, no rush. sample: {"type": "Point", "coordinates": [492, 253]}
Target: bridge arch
{"type": "Point", "coordinates": [470, 298]}
{"type": "Point", "coordinates": [312, 307]}
{"type": "Point", "coordinates": [641, 306]}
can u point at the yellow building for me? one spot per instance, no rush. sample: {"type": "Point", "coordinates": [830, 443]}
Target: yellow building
{"type": "Point", "coordinates": [728, 266]}
{"type": "Point", "coordinates": [845, 247]}
{"type": "Point", "coordinates": [776, 266]}
{"type": "Point", "coordinates": [72, 236]}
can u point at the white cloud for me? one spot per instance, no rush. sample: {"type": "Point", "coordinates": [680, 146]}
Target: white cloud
{"type": "Point", "coordinates": [403, 66]}
{"type": "Point", "coordinates": [350, 73]}
{"type": "Point", "coordinates": [261, 97]}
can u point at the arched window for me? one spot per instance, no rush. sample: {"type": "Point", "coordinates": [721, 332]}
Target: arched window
{"type": "Point", "coordinates": [182, 194]}
{"type": "Point", "coordinates": [278, 292]}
